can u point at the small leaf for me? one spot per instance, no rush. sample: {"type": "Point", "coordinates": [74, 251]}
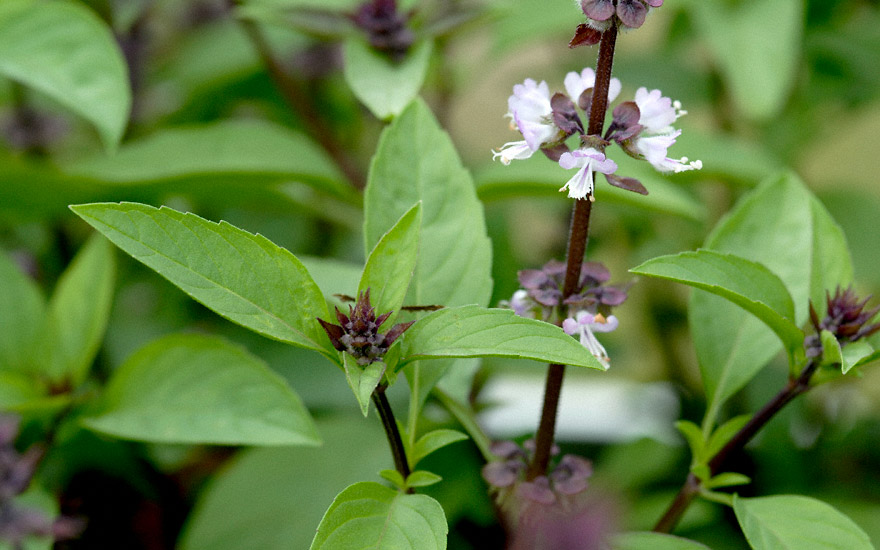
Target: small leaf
{"type": "Point", "coordinates": [694, 437]}
{"type": "Point", "coordinates": [473, 331]}
{"type": "Point", "coordinates": [433, 441]}
{"type": "Point", "coordinates": [243, 277]}
{"type": "Point", "coordinates": [653, 541]}
{"type": "Point", "coordinates": [78, 312]}
{"type": "Point", "coordinates": [370, 515]}
{"type": "Point", "coordinates": [422, 478]}
{"type": "Point", "coordinates": [192, 388]}
{"type": "Point", "coordinates": [392, 263]}
{"type": "Point", "coordinates": [725, 433]}
{"type": "Point", "coordinates": [745, 283]}
{"type": "Point", "coordinates": [394, 477]}
{"type": "Point", "coordinates": [831, 352]}
{"type": "Point", "coordinates": [384, 86]}
{"type": "Point", "coordinates": [796, 522]}
{"type": "Point", "coordinates": [17, 389]}
{"type": "Point", "coordinates": [857, 354]}
{"type": "Point", "coordinates": [362, 380]}
{"type": "Point", "coordinates": [65, 51]}
{"type": "Point", "coordinates": [727, 479]}
{"type": "Point", "coordinates": [23, 316]}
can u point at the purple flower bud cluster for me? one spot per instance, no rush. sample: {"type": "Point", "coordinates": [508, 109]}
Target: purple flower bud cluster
{"type": "Point", "coordinates": [385, 27]}
{"type": "Point", "coordinates": [846, 318]}
{"type": "Point", "coordinates": [568, 478]}
{"type": "Point", "coordinates": [601, 14]}
{"type": "Point", "coordinates": [16, 471]}
{"type": "Point", "coordinates": [358, 332]}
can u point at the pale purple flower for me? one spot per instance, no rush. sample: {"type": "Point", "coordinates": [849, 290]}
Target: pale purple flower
{"type": "Point", "coordinates": [654, 148]}
{"type": "Point", "coordinates": [584, 324]}
{"type": "Point", "coordinates": [522, 304]}
{"type": "Point", "coordinates": [587, 160]}
{"type": "Point", "coordinates": [513, 150]}
{"type": "Point", "coordinates": [656, 116]}
{"type": "Point", "coordinates": [657, 113]}
{"type": "Point", "coordinates": [530, 110]}
{"type": "Point", "coordinates": [575, 84]}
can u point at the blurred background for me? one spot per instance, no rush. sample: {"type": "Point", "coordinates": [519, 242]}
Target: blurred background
{"type": "Point", "coordinates": [769, 85]}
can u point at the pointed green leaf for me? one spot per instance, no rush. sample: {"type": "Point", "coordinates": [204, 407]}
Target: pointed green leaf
{"type": "Point", "coordinates": [391, 264]}
{"type": "Point", "coordinates": [832, 354]}
{"type": "Point", "coordinates": [727, 479]}
{"type": "Point", "coordinates": [22, 317]}
{"type": "Point", "coordinates": [362, 380]}
{"type": "Point", "coordinates": [394, 477]}
{"type": "Point", "coordinates": [796, 522]}
{"type": "Point", "coordinates": [858, 354]}
{"type": "Point", "coordinates": [781, 226]}
{"type": "Point", "coordinates": [243, 277]}
{"type": "Point", "coordinates": [747, 284]}
{"type": "Point", "coordinates": [385, 86]}
{"type": "Point", "coordinates": [653, 541]}
{"type": "Point", "coordinates": [18, 389]}
{"type": "Point", "coordinates": [694, 438]}
{"type": "Point", "coordinates": [422, 478]}
{"type": "Point", "coordinates": [370, 515]}
{"type": "Point", "coordinates": [203, 156]}
{"type": "Point", "coordinates": [725, 433]}
{"type": "Point", "coordinates": [472, 331]}
{"type": "Point", "coordinates": [192, 388]}
{"type": "Point", "coordinates": [433, 441]}
{"type": "Point", "coordinates": [78, 312]}
{"type": "Point", "coordinates": [65, 51]}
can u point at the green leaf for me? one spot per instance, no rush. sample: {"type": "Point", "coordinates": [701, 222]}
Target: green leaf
{"type": "Point", "coordinates": [242, 277]}
{"type": "Point", "coordinates": [422, 478]}
{"type": "Point", "coordinates": [831, 352]}
{"type": "Point", "coordinates": [694, 438]}
{"type": "Point", "coordinates": [257, 500]}
{"type": "Point", "coordinates": [362, 380]}
{"type": "Point", "coordinates": [192, 388]}
{"type": "Point", "coordinates": [857, 354]}
{"type": "Point", "coordinates": [727, 479]}
{"type": "Point", "coordinates": [740, 35]}
{"type": "Point", "coordinates": [394, 477]}
{"type": "Point", "coordinates": [747, 284]}
{"type": "Point", "coordinates": [17, 389]}
{"type": "Point", "coordinates": [384, 86]}
{"type": "Point", "coordinates": [22, 317]}
{"type": "Point", "coordinates": [195, 157]}
{"type": "Point", "coordinates": [543, 179]}
{"type": "Point", "coordinates": [653, 541]}
{"type": "Point", "coordinates": [416, 161]}
{"type": "Point", "coordinates": [391, 264]}
{"type": "Point", "coordinates": [783, 227]}
{"type": "Point", "coordinates": [65, 51]}
{"type": "Point", "coordinates": [473, 331]}
{"type": "Point", "coordinates": [797, 522]}
{"type": "Point", "coordinates": [78, 312]}
{"type": "Point", "coordinates": [370, 515]}
{"type": "Point", "coordinates": [725, 433]}
{"type": "Point", "coordinates": [433, 441]}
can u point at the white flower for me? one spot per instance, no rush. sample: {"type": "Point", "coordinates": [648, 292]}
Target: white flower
{"type": "Point", "coordinates": [522, 305]}
{"type": "Point", "coordinates": [588, 160]}
{"type": "Point", "coordinates": [585, 324]}
{"type": "Point", "coordinates": [656, 116]}
{"type": "Point", "coordinates": [530, 112]}
{"type": "Point", "coordinates": [575, 84]}
{"type": "Point", "coordinates": [654, 148]}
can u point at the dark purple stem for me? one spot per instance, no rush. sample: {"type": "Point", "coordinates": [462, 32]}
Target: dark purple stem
{"type": "Point", "coordinates": [398, 451]}
{"type": "Point", "coordinates": [577, 246]}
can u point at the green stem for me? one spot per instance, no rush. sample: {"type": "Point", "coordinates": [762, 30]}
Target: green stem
{"type": "Point", "coordinates": [577, 245]}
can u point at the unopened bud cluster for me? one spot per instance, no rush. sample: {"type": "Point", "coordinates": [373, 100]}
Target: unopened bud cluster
{"type": "Point", "coordinates": [846, 318]}
{"type": "Point", "coordinates": [385, 27]}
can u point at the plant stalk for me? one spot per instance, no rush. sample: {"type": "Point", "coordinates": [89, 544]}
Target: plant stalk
{"type": "Point", "coordinates": [692, 485]}
{"type": "Point", "coordinates": [398, 451]}
{"type": "Point", "coordinates": [577, 245]}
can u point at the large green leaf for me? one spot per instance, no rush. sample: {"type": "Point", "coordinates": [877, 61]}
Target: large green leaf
{"type": "Point", "coordinates": [416, 161]}
{"type": "Point", "coordinates": [273, 498]}
{"type": "Point", "coordinates": [473, 331]}
{"type": "Point", "coordinates": [193, 388]}
{"type": "Point", "coordinates": [243, 277]}
{"type": "Point", "coordinates": [783, 227]}
{"type": "Point", "coordinates": [391, 264]}
{"type": "Point", "coordinates": [232, 150]}
{"type": "Point", "coordinates": [740, 34]}
{"type": "Point", "coordinates": [78, 312]}
{"type": "Point", "coordinates": [22, 314]}
{"type": "Point", "coordinates": [653, 541]}
{"type": "Point", "coordinates": [370, 515]}
{"type": "Point", "coordinates": [796, 522]}
{"type": "Point", "coordinates": [65, 51]}
{"type": "Point", "coordinates": [386, 87]}
{"type": "Point", "coordinates": [747, 284]}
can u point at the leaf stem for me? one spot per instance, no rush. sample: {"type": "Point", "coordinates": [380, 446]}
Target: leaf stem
{"type": "Point", "coordinates": [577, 245]}
{"type": "Point", "coordinates": [292, 92]}
{"type": "Point", "coordinates": [692, 485]}
{"type": "Point", "coordinates": [398, 451]}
